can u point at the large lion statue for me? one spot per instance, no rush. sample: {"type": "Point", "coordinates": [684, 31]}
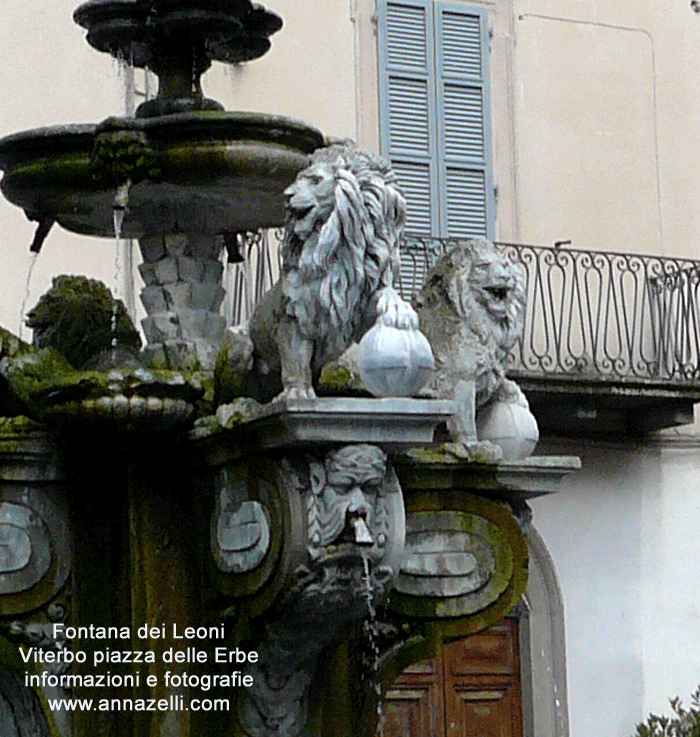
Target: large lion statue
{"type": "Point", "coordinates": [471, 309]}
{"type": "Point", "coordinates": [340, 248]}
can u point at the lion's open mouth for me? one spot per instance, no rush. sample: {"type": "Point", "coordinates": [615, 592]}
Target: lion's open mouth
{"type": "Point", "coordinates": [300, 212]}
{"type": "Point", "coordinates": [498, 293]}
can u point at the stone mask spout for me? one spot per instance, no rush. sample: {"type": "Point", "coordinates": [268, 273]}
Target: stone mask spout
{"type": "Point", "coordinates": [360, 531]}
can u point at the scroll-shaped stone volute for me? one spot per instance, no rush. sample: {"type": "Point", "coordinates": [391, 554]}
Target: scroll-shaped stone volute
{"type": "Point", "coordinates": [240, 531]}
{"type": "Point", "coordinates": [34, 545]}
{"type": "Point", "coordinates": [355, 537]}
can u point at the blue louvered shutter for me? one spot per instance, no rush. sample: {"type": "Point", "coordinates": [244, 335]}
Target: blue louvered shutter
{"type": "Point", "coordinates": [409, 133]}
{"type": "Point", "coordinates": [435, 114]}
{"type": "Point", "coordinates": [464, 140]}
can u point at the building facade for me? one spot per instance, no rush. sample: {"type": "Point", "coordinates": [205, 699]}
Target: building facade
{"type": "Point", "coordinates": [529, 122]}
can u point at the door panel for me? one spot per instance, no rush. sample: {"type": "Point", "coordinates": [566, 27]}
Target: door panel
{"type": "Point", "coordinates": [414, 711]}
{"type": "Point", "coordinates": [491, 652]}
{"type": "Point", "coordinates": [481, 712]}
{"type": "Point", "coordinates": [473, 690]}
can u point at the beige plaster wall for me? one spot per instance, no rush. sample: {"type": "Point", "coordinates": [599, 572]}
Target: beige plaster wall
{"type": "Point", "coordinates": [607, 134]}
{"type": "Point", "coordinates": [308, 74]}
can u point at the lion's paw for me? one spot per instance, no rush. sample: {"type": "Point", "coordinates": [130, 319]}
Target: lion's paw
{"type": "Point", "coordinates": [295, 392]}
{"type": "Point", "coordinates": [475, 451]}
{"type": "Point", "coordinates": [395, 311]}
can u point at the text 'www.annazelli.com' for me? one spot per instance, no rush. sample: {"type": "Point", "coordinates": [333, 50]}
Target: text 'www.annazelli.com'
{"type": "Point", "coordinates": [172, 703]}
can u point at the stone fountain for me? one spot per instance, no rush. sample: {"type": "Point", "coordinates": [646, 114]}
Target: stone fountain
{"type": "Point", "coordinates": [232, 505]}
{"type": "Point", "coordinates": [192, 174]}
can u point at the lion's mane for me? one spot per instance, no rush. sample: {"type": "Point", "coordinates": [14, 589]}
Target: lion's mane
{"type": "Point", "coordinates": [470, 340]}
{"type": "Point", "coordinates": [329, 280]}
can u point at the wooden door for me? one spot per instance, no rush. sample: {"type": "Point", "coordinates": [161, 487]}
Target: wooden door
{"type": "Point", "coordinates": [473, 690]}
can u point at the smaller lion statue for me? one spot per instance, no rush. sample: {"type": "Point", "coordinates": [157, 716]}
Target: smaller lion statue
{"type": "Point", "coordinates": [79, 318]}
{"type": "Point", "coordinates": [471, 309]}
{"type": "Point", "coordinates": [345, 216]}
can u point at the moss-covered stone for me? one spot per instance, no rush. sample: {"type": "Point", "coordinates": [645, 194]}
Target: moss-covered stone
{"type": "Point", "coordinates": [242, 409]}
{"type": "Point", "coordinates": [79, 385]}
{"type": "Point", "coordinates": [79, 318]}
{"type": "Point", "coordinates": [232, 372]}
{"type": "Point", "coordinates": [337, 378]}
{"type": "Point", "coordinates": [122, 154]}
{"type": "Point", "coordinates": [27, 372]}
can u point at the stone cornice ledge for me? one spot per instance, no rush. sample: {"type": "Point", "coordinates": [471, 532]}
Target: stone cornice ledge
{"type": "Point", "coordinates": [393, 423]}
{"type": "Point", "coordinates": [523, 479]}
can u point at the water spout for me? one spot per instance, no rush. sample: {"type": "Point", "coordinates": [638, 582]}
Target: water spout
{"type": "Point", "coordinates": [360, 531]}
{"type": "Point", "coordinates": [121, 202]}
{"type": "Point", "coordinates": [45, 223]}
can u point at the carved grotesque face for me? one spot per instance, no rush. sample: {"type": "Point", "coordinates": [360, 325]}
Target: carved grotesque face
{"type": "Point", "coordinates": [354, 478]}
{"type": "Point", "coordinates": [492, 279]}
{"type": "Point", "coordinates": [310, 198]}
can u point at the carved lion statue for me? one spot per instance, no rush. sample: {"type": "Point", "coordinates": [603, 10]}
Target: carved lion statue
{"type": "Point", "coordinates": [340, 248]}
{"type": "Point", "coordinates": [471, 309]}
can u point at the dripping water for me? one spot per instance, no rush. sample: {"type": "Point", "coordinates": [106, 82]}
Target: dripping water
{"type": "Point", "coordinates": [121, 259]}
{"type": "Point", "coordinates": [126, 72]}
{"type": "Point", "coordinates": [27, 284]}
{"type": "Point", "coordinates": [371, 629]}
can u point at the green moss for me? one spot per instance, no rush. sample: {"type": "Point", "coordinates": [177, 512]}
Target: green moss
{"type": "Point", "coordinates": [240, 410]}
{"type": "Point", "coordinates": [122, 154]}
{"type": "Point", "coordinates": [67, 170]}
{"type": "Point", "coordinates": [26, 372]}
{"type": "Point", "coordinates": [205, 379]}
{"type": "Point", "coordinates": [233, 369]}
{"type": "Point", "coordinates": [11, 345]}
{"type": "Point", "coordinates": [228, 380]}
{"type": "Point", "coordinates": [79, 318]}
{"type": "Point", "coordinates": [426, 456]}
{"type": "Point", "coordinates": [80, 385]}
{"type": "Point", "coordinates": [338, 379]}
{"type": "Point", "coordinates": [11, 426]}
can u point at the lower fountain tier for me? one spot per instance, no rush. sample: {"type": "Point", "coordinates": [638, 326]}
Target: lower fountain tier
{"type": "Point", "coordinates": [194, 172]}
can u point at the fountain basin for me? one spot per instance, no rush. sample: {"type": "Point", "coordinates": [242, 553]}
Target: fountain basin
{"type": "Point", "coordinates": [197, 172]}
{"type": "Point", "coordinates": [119, 400]}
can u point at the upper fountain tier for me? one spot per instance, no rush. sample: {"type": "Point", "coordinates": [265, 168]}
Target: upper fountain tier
{"type": "Point", "coordinates": [189, 166]}
{"type": "Point", "coordinates": [178, 40]}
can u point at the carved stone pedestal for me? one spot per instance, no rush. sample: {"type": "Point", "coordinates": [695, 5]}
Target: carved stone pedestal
{"type": "Point", "coordinates": [337, 553]}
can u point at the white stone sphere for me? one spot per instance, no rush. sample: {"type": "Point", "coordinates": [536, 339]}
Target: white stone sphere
{"type": "Point", "coordinates": [510, 426]}
{"type": "Point", "coordinates": [394, 362]}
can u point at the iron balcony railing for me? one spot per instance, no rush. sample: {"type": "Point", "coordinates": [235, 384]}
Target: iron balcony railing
{"type": "Point", "coordinates": [594, 315]}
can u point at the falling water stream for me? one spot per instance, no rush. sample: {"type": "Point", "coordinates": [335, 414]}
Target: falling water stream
{"type": "Point", "coordinates": [372, 634]}
{"type": "Point", "coordinates": [121, 201]}
{"type": "Point", "coordinates": [27, 285]}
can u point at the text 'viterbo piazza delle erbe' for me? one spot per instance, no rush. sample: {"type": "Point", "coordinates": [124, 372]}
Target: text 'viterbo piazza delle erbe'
{"type": "Point", "coordinates": [130, 655]}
